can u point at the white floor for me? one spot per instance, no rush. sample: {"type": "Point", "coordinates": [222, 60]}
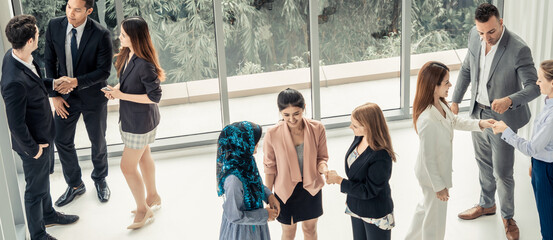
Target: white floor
{"type": "Point", "coordinates": [192, 210]}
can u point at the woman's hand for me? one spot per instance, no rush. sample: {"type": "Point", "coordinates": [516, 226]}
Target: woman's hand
{"type": "Point", "coordinates": [333, 178]}
{"type": "Point", "coordinates": [274, 203]}
{"type": "Point", "coordinates": [112, 93]}
{"type": "Point", "coordinates": [486, 123]}
{"type": "Point", "coordinates": [499, 127]}
{"type": "Point", "coordinates": [443, 195]}
{"type": "Point", "coordinates": [323, 169]}
{"type": "Point", "coordinates": [273, 214]}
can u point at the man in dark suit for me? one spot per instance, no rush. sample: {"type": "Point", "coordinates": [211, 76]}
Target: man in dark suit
{"type": "Point", "coordinates": [80, 48]}
{"type": "Point", "coordinates": [501, 72]}
{"type": "Point", "coordinates": [30, 121]}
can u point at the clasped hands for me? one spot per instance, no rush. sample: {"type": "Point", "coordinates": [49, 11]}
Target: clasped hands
{"type": "Point", "coordinates": [496, 126]}
{"type": "Point", "coordinates": [273, 209]}
{"type": "Point", "coordinates": [65, 85]}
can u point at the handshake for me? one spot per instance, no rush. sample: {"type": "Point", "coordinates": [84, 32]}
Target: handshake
{"type": "Point", "coordinates": [332, 177]}
{"type": "Point", "coordinates": [65, 85]}
{"type": "Point", "coordinates": [496, 126]}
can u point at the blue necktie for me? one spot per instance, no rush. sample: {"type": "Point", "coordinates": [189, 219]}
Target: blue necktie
{"type": "Point", "coordinates": [74, 49]}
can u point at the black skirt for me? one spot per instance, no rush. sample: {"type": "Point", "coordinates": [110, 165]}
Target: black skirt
{"type": "Point", "coordinates": [301, 206]}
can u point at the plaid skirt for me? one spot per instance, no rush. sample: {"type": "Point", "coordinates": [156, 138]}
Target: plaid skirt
{"type": "Point", "coordinates": [137, 141]}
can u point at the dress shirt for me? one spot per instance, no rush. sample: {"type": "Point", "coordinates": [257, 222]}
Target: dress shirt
{"type": "Point", "coordinates": [484, 70]}
{"type": "Point", "coordinates": [68, 35]}
{"type": "Point", "coordinates": [29, 65]}
{"type": "Point", "coordinates": [540, 146]}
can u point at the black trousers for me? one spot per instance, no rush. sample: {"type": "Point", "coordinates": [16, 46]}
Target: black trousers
{"type": "Point", "coordinates": [95, 119]}
{"type": "Point", "coordinates": [367, 231]}
{"type": "Point", "coordinates": [38, 202]}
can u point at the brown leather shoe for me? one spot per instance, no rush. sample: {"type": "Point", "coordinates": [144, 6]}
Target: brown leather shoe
{"type": "Point", "coordinates": [476, 211]}
{"type": "Point", "coordinates": [511, 229]}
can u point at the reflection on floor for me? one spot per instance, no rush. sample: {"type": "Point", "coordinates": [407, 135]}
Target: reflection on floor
{"type": "Point", "coordinates": [192, 210]}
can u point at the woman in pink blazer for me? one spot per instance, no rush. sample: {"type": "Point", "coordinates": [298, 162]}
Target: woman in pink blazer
{"type": "Point", "coordinates": [295, 158]}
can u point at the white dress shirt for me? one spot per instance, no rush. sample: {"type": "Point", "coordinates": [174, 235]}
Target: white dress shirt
{"type": "Point", "coordinates": [68, 35]}
{"type": "Point", "coordinates": [484, 70]}
{"type": "Point", "coordinates": [28, 65]}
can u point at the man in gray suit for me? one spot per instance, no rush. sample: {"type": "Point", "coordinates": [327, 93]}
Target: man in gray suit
{"type": "Point", "coordinates": [497, 65]}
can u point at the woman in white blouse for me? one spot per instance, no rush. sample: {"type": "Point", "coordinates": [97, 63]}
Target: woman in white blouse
{"type": "Point", "coordinates": [434, 123]}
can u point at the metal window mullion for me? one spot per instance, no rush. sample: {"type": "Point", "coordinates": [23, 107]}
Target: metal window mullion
{"type": "Point", "coordinates": [17, 7]}
{"type": "Point", "coordinates": [119, 13]}
{"type": "Point", "coordinates": [405, 75]}
{"type": "Point", "coordinates": [221, 61]}
{"type": "Point", "coordinates": [314, 56]}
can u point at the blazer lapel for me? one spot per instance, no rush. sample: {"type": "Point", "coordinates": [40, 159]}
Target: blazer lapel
{"type": "Point", "coordinates": [499, 52]}
{"type": "Point", "coordinates": [61, 45]}
{"type": "Point", "coordinates": [31, 74]}
{"type": "Point", "coordinates": [291, 153]}
{"type": "Point", "coordinates": [84, 39]}
{"type": "Point", "coordinates": [126, 72]}
{"type": "Point", "coordinates": [356, 141]}
{"type": "Point", "coordinates": [476, 48]}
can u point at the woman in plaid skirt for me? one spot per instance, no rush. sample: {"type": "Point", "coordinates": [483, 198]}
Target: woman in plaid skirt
{"type": "Point", "coordinates": [139, 92]}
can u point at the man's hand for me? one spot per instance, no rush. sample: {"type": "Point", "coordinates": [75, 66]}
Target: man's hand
{"type": "Point", "coordinates": [67, 85]}
{"type": "Point", "coordinates": [455, 108]}
{"type": "Point", "coordinates": [59, 106]}
{"type": "Point", "coordinates": [40, 147]}
{"type": "Point", "coordinates": [501, 105]}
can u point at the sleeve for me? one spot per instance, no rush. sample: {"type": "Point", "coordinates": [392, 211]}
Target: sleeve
{"type": "Point", "coordinates": [268, 193]}
{"type": "Point", "coordinates": [378, 175]}
{"type": "Point", "coordinates": [526, 73]}
{"type": "Point", "coordinates": [234, 200]}
{"type": "Point", "coordinates": [322, 154]}
{"type": "Point", "coordinates": [151, 82]}
{"type": "Point", "coordinates": [540, 139]}
{"type": "Point", "coordinates": [463, 80]}
{"type": "Point", "coordinates": [429, 136]}
{"type": "Point", "coordinates": [103, 63]}
{"type": "Point", "coordinates": [15, 99]}
{"type": "Point", "coordinates": [466, 124]}
{"type": "Point", "coordinates": [50, 61]}
{"type": "Point", "coordinates": [269, 158]}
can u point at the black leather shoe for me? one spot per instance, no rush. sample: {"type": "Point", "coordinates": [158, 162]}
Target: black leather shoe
{"type": "Point", "coordinates": [60, 219]}
{"type": "Point", "coordinates": [69, 194]}
{"type": "Point", "coordinates": [103, 190]}
{"type": "Point", "coordinates": [48, 237]}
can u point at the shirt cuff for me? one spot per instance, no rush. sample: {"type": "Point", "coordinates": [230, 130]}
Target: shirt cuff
{"type": "Point", "coordinates": [507, 134]}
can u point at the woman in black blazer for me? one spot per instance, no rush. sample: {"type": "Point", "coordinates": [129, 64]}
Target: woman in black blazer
{"type": "Point", "coordinates": [368, 168]}
{"type": "Point", "coordinates": [139, 92]}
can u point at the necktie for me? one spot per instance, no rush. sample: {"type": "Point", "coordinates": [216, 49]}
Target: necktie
{"type": "Point", "coordinates": [74, 49]}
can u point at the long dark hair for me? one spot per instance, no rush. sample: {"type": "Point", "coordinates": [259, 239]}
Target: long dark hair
{"type": "Point", "coordinates": [430, 76]}
{"type": "Point", "coordinates": [137, 30]}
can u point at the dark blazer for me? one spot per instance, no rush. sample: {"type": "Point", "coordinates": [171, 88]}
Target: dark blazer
{"type": "Point", "coordinates": [27, 106]}
{"type": "Point", "coordinates": [93, 60]}
{"type": "Point", "coordinates": [512, 67]}
{"type": "Point", "coordinates": [139, 77]}
{"type": "Point", "coordinates": [367, 188]}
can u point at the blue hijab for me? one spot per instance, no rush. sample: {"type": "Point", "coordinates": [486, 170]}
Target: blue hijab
{"type": "Point", "coordinates": [235, 148]}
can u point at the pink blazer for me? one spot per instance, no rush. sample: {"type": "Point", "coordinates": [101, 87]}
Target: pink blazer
{"type": "Point", "coordinates": [280, 158]}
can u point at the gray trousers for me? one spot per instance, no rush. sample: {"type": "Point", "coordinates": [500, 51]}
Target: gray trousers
{"type": "Point", "coordinates": [495, 160]}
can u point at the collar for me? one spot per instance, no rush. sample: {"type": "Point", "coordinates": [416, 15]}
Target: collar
{"type": "Point", "coordinates": [80, 28]}
{"type": "Point", "coordinates": [28, 64]}
{"type": "Point", "coordinates": [548, 102]}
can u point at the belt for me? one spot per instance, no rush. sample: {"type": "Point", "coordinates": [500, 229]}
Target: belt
{"type": "Point", "coordinates": [482, 106]}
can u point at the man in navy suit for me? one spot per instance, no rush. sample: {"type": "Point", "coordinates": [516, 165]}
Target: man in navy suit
{"type": "Point", "coordinates": [30, 121]}
{"type": "Point", "coordinates": [80, 48]}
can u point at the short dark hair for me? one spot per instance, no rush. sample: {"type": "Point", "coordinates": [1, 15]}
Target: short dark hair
{"type": "Point", "coordinates": [290, 97]}
{"type": "Point", "coordinates": [89, 4]}
{"type": "Point", "coordinates": [20, 29]}
{"type": "Point", "coordinates": [485, 11]}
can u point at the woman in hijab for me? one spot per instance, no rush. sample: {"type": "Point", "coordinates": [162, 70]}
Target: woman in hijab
{"type": "Point", "coordinates": [239, 181]}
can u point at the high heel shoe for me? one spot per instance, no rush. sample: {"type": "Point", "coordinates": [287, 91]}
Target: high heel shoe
{"type": "Point", "coordinates": [154, 205]}
{"type": "Point", "coordinates": [148, 217]}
